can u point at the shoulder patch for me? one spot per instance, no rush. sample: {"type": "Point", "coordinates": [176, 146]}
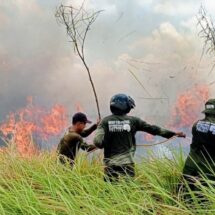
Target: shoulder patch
{"type": "Point", "coordinates": [203, 127]}
{"type": "Point", "coordinates": [212, 128]}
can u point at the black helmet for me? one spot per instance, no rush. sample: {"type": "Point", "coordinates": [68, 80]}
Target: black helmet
{"type": "Point", "coordinates": [121, 104]}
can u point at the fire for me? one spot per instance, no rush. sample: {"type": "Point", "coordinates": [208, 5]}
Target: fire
{"type": "Point", "coordinates": [20, 127]}
{"type": "Point", "coordinates": [188, 107]}
{"type": "Point", "coordinates": [186, 111]}
{"type": "Point", "coordinates": [53, 122]}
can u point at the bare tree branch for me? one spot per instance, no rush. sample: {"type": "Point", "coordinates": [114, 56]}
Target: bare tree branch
{"type": "Point", "coordinates": [78, 22]}
{"type": "Point", "coordinates": [136, 78]}
{"type": "Point", "coordinates": [207, 32]}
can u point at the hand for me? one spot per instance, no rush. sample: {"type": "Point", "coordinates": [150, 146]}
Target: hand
{"type": "Point", "coordinates": [180, 134]}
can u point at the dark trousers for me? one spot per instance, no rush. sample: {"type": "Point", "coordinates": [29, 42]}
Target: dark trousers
{"type": "Point", "coordinates": [114, 173]}
{"type": "Point", "coordinates": [190, 175]}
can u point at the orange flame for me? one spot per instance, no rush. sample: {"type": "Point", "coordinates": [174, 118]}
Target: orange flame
{"type": "Point", "coordinates": [24, 123]}
{"type": "Point", "coordinates": [189, 106]}
{"type": "Point", "coordinates": [54, 122]}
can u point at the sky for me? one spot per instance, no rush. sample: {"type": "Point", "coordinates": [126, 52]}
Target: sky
{"type": "Point", "coordinates": [155, 39]}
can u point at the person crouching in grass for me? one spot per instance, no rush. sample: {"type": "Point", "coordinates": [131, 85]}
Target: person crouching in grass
{"type": "Point", "coordinates": [72, 140]}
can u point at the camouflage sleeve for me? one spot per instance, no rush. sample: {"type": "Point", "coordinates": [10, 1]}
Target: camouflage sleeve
{"type": "Point", "coordinates": [99, 137]}
{"type": "Point", "coordinates": [153, 129]}
{"type": "Point", "coordinates": [88, 131]}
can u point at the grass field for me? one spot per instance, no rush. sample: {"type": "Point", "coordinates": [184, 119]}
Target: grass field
{"type": "Point", "coordinates": [41, 185]}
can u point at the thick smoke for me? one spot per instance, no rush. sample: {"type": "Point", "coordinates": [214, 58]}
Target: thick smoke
{"type": "Point", "coordinates": [163, 52]}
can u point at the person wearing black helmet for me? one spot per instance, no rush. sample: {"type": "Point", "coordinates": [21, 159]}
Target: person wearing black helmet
{"type": "Point", "coordinates": [73, 138]}
{"type": "Point", "coordinates": [202, 152]}
{"type": "Point", "coordinates": [116, 135]}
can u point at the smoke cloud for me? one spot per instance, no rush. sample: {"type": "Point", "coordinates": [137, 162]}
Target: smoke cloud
{"type": "Point", "coordinates": [155, 40]}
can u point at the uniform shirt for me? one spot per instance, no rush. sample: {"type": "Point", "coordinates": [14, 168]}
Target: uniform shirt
{"type": "Point", "coordinates": [203, 142]}
{"type": "Point", "coordinates": [72, 142]}
{"type": "Point", "coordinates": [116, 134]}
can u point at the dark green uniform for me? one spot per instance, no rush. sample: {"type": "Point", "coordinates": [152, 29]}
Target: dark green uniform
{"type": "Point", "coordinates": [72, 142]}
{"type": "Point", "coordinates": [202, 152]}
{"type": "Point", "coordinates": [116, 134]}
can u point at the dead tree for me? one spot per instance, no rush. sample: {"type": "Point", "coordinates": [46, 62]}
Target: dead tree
{"type": "Point", "coordinates": [207, 32]}
{"type": "Point", "coordinates": [78, 22]}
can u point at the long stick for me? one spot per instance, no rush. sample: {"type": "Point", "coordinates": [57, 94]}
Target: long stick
{"type": "Point", "coordinates": [148, 145]}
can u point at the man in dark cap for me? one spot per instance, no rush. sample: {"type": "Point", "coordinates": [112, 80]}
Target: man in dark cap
{"type": "Point", "coordinates": [202, 152]}
{"type": "Point", "coordinates": [72, 141]}
{"type": "Point", "coordinates": [116, 134]}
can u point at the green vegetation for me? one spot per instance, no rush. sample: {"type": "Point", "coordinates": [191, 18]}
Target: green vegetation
{"type": "Point", "coordinates": [41, 185]}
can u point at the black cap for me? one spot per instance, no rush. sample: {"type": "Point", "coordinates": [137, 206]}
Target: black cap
{"type": "Point", "coordinates": [80, 117]}
{"type": "Point", "coordinates": [210, 107]}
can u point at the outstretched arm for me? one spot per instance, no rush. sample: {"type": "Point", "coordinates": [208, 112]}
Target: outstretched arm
{"type": "Point", "coordinates": [156, 130]}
